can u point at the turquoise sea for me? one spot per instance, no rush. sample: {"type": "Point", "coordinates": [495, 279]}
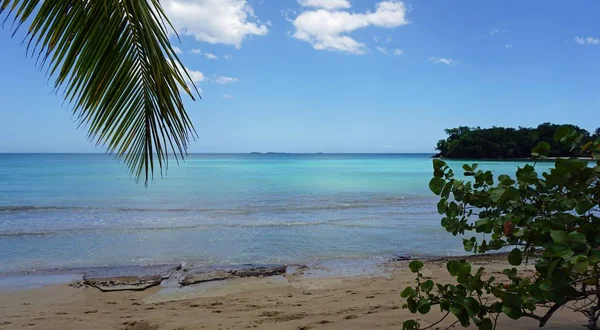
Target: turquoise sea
{"type": "Point", "coordinates": [77, 210]}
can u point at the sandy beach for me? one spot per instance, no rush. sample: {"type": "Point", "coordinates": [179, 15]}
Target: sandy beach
{"type": "Point", "coordinates": [277, 302]}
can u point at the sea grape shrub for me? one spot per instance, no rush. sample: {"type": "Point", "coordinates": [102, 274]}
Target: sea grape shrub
{"type": "Point", "coordinates": [550, 218]}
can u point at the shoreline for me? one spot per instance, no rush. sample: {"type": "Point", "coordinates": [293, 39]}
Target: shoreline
{"type": "Point", "coordinates": [299, 299]}
{"type": "Point", "coordinates": [337, 266]}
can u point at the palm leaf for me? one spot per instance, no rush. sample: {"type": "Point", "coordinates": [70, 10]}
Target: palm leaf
{"type": "Point", "coordinates": [114, 64]}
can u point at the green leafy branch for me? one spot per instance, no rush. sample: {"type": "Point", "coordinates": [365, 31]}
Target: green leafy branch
{"type": "Point", "coordinates": [551, 217]}
{"type": "Point", "coordinates": [117, 69]}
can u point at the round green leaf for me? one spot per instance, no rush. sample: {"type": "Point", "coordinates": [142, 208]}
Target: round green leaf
{"type": "Point", "coordinates": [594, 256]}
{"type": "Point", "coordinates": [515, 257]}
{"type": "Point", "coordinates": [512, 311]}
{"type": "Point", "coordinates": [583, 206]}
{"type": "Point", "coordinates": [541, 148]}
{"type": "Point", "coordinates": [465, 268]}
{"type": "Point", "coordinates": [441, 206]}
{"type": "Point", "coordinates": [411, 325]}
{"type": "Point", "coordinates": [559, 236]}
{"type": "Point", "coordinates": [486, 324]}
{"type": "Point", "coordinates": [453, 267]}
{"type": "Point", "coordinates": [427, 285]}
{"type": "Point", "coordinates": [576, 237]}
{"type": "Point", "coordinates": [580, 264]}
{"type": "Point", "coordinates": [437, 185]}
{"type": "Point", "coordinates": [407, 292]}
{"type": "Point", "coordinates": [423, 306]}
{"type": "Point", "coordinates": [496, 194]}
{"type": "Point", "coordinates": [415, 266]}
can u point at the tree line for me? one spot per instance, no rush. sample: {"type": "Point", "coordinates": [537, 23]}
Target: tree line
{"type": "Point", "coordinates": [505, 142]}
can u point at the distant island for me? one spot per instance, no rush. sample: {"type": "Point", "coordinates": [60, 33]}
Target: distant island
{"type": "Point", "coordinates": [503, 142]}
{"type": "Point", "coordinates": [269, 153]}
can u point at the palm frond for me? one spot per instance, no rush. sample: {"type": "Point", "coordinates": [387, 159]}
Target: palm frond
{"type": "Point", "coordinates": [113, 62]}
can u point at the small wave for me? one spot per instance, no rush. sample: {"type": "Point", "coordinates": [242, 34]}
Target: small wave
{"type": "Point", "coordinates": [394, 198]}
{"type": "Point", "coordinates": [241, 210]}
{"type": "Point", "coordinates": [295, 206]}
{"type": "Point", "coordinates": [27, 208]}
{"type": "Point", "coordinates": [80, 231]}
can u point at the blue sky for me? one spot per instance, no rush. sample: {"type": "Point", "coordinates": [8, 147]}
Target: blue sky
{"type": "Point", "coordinates": [347, 75]}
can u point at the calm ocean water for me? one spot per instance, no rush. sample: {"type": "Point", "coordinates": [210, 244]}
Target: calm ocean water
{"type": "Point", "coordinates": [71, 210]}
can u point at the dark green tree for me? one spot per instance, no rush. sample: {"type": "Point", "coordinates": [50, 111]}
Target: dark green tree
{"type": "Point", "coordinates": [502, 142]}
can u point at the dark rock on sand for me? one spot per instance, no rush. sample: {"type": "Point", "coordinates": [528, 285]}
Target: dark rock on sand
{"type": "Point", "coordinates": [258, 270]}
{"type": "Point", "coordinates": [218, 273]}
{"type": "Point", "coordinates": [402, 258]}
{"type": "Point", "coordinates": [124, 283]}
{"type": "Point", "coordinates": [135, 278]}
{"type": "Point", "coordinates": [201, 276]}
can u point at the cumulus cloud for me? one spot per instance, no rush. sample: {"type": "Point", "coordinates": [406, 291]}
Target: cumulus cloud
{"type": "Point", "coordinates": [382, 50]}
{"type": "Point", "coordinates": [329, 29]}
{"type": "Point", "coordinates": [442, 60]}
{"type": "Point", "coordinates": [210, 56]}
{"type": "Point", "coordinates": [326, 4]}
{"type": "Point", "coordinates": [177, 50]}
{"type": "Point", "coordinates": [587, 41]}
{"type": "Point", "coordinates": [496, 31]}
{"type": "Point", "coordinates": [225, 80]}
{"type": "Point", "coordinates": [226, 22]}
{"type": "Point", "coordinates": [398, 52]}
{"type": "Point", "coordinates": [387, 39]}
{"type": "Point", "coordinates": [196, 76]}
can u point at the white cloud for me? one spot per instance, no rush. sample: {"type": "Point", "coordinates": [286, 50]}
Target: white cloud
{"type": "Point", "coordinates": [496, 31]}
{"type": "Point", "coordinates": [196, 76]}
{"type": "Point", "coordinates": [215, 21]}
{"type": "Point", "coordinates": [329, 30]}
{"type": "Point", "coordinates": [442, 60]}
{"type": "Point", "coordinates": [398, 52]}
{"type": "Point", "coordinates": [326, 4]}
{"type": "Point", "coordinates": [387, 39]}
{"type": "Point", "coordinates": [210, 56]}
{"type": "Point", "coordinates": [177, 50]}
{"type": "Point", "coordinates": [587, 41]}
{"type": "Point", "coordinates": [225, 80]}
{"type": "Point", "coordinates": [227, 57]}
{"type": "Point", "coordinates": [382, 50]}
{"type": "Point", "coordinates": [508, 46]}
{"type": "Point", "coordinates": [227, 96]}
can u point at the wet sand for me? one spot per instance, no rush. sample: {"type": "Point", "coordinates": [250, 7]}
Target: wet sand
{"type": "Point", "coordinates": [291, 301]}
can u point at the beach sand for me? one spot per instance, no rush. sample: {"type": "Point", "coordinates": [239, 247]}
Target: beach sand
{"type": "Point", "coordinates": [291, 302]}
